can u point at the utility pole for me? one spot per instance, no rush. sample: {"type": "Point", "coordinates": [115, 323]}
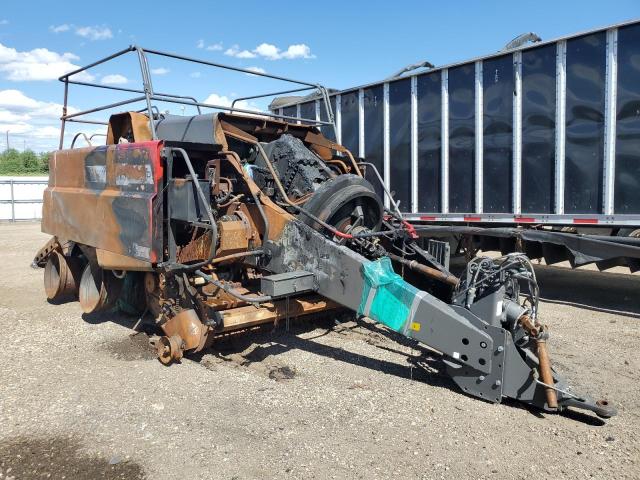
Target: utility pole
{"type": "Point", "coordinates": [7, 139]}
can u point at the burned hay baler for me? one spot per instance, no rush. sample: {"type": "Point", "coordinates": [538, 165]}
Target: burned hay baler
{"type": "Point", "coordinates": [219, 222]}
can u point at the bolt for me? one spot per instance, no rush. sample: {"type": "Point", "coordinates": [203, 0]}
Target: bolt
{"type": "Point", "coordinates": [481, 378]}
{"type": "Point", "coordinates": [500, 349]}
{"type": "Point", "coordinates": [483, 344]}
{"type": "Point", "coordinates": [498, 383]}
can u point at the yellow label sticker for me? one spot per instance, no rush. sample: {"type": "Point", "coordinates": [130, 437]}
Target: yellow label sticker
{"type": "Point", "coordinates": [415, 326]}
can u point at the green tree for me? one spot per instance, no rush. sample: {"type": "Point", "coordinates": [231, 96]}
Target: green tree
{"type": "Point", "coordinates": [13, 162]}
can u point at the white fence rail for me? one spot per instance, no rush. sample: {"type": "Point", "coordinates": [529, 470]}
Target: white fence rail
{"type": "Point", "coordinates": [21, 197]}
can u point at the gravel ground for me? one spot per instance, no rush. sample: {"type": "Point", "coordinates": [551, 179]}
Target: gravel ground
{"type": "Point", "coordinates": [81, 398]}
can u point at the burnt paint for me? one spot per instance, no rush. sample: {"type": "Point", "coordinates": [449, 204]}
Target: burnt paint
{"type": "Point", "coordinates": [108, 211]}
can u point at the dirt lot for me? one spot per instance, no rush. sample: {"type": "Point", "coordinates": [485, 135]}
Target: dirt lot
{"type": "Point", "coordinates": [81, 398]}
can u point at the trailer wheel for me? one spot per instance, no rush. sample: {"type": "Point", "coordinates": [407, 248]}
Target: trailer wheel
{"type": "Point", "coordinates": [629, 232]}
{"type": "Point", "coordinates": [61, 277]}
{"type": "Point", "coordinates": [99, 289]}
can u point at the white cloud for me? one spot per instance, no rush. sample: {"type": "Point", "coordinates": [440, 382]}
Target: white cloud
{"type": "Point", "coordinates": [18, 104]}
{"type": "Point", "coordinates": [271, 52]}
{"type": "Point", "coordinates": [36, 123]}
{"type": "Point", "coordinates": [195, 74]}
{"type": "Point", "coordinates": [7, 116]}
{"type": "Point", "coordinates": [268, 51]}
{"type": "Point", "coordinates": [160, 71]}
{"type": "Point", "coordinates": [298, 51]}
{"type": "Point", "coordinates": [37, 64]}
{"type": "Point", "coordinates": [224, 101]}
{"type": "Point", "coordinates": [94, 33]}
{"type": "Point", "coordinates": [235, 51]}
{"type": "Point", "coordinates": [221, 100]}
{"type": "Point", "coordinates": [214, 47]}
{"type": "Point", "coordinates": [4, 22]}
{"type": "Point", "coordinates": [255, 69]}
{"type": "Point", "coordinates": [114, 79]}
{"type": "Point", "coordinates": [60, 28]}
{"type": "Point", "coordinates": [90, 32]}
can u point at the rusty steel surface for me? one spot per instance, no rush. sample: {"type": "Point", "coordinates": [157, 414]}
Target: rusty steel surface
{"type": "Point", "coordinates": [249, 316]}
{"type": "Point", "coordinates": [104, 197]}
{"type": "Point", "coordinates": [187, 326]}
{"type": "Point", "coordinates": [546, 374]}
{"type": "Point", "coordinates": [61, 276]}
{"type": "Point", "coordinates": [99, 289]}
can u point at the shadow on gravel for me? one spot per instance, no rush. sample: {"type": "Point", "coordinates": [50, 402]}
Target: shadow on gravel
{"type": "Point", "coordinates": [135, 345]}
{"type": "Point", "coordinates": [599, 291]}
{"type": "Point", "coordinates": [60, 457]}
{"type": "Point", "coordinates": [263, 345]}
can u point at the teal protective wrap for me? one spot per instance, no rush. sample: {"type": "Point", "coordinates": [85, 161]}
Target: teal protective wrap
{"type": "Point", "coordinates": [386, 297]}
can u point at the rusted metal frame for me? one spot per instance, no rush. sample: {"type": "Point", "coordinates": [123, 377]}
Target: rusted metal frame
{"type": "Point", "coordinates": [171, 98]}
{"type": "Point", "coordinates": [226, 67]}
{"type": "Point", "coordinates": [66, 76]}
{"type": "Point", "coordinates": [132, 90]}
{"type": "Point", "coordinates": [228, 109]}
{"type": "Point", "coordinates": [104, 107]}
{"type": "Point", "coordinates": [329, 110]}
{"type": "Point", "coordinates": [252, 97]}
{"type": "Point", "coordinates": [64, 112]}
{"type": "Point", "coordinates": [93, 122]}
{"type": "Point", "coordinates": [234, 256]}
{"type": "Point", "coordinates": [248, 316]}
{"type": "Point", "coordinates": [384, 187]}
{"type": "Point", "coordinates": [352, 160]}
{"type": "Point", "coordinates": [148, 90]}
{"type": "Point", "coordinates": [233, 292]}
{"type": "Point", "coordinates": [236, 69]}
{"type": "Point", "coordinates": [340, 163]}
{"type": "Point", "coordinates": [88, 139]}
{"type": "Point", "coordinates": [257, 201]}
{"type": "Point", "coordinates": [171, 238]}
{"type": "Point", "coordinates": [322, 141]}
{"type": "Point", "coordinates": [213, 227]}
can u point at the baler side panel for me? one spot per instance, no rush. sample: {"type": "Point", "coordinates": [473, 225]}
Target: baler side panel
{"type": "Point", "coordinates": [104, 197]}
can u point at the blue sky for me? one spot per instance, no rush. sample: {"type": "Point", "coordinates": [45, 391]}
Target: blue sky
{"type": "Point", "coordinates": [339, 44]}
